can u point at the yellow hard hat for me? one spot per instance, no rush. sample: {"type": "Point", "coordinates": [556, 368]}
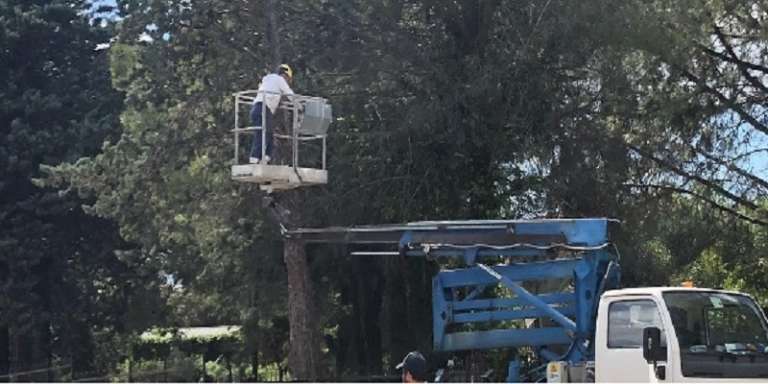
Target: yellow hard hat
{"type": "Point", "coordinates": [285, 68]}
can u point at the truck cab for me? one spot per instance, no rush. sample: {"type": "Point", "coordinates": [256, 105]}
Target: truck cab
{"type": "Point", "coordinates": [671, 334]}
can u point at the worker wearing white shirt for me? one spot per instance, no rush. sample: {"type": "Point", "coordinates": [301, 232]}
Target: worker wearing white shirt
{"type": "Point", "coordinates": [272, 88]}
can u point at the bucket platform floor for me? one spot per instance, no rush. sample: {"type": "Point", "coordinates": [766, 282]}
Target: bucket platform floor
{"type": "Point", "coordinates": [277, 177]}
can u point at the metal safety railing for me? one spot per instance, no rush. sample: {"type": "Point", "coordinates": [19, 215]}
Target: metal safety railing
{"type": "Point", "coordinates": [295, 105]}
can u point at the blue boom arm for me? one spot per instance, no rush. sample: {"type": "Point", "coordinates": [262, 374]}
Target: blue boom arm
{"type": "Point", "coordinates": [523, 283]}
{"type": "Point", "coordinates": [576, 251]}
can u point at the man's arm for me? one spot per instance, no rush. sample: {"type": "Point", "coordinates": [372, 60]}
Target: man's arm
{"type": "Point", "coordinates": [285, 89]}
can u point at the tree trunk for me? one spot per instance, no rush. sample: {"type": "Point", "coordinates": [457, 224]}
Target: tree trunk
{"type": "Point", "coordinates": [5, 352]}
{"type": "Point", "coordinates": [273, 34]}
{"type": "Point", "coordinates": [396, 331]}
{"type": "Point", "coordinates": [31, 350]}
{"type": "Point", "coordinates": [304, 354]}
{"type": "Point", "coordinates": [82, 349]}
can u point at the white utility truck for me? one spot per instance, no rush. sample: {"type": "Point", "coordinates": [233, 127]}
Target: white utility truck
{"type": "Point", "coordinates": [673, 335]}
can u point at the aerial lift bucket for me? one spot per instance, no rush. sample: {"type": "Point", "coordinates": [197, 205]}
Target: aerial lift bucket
{"type": "Point", "coordinates": [308, 121]}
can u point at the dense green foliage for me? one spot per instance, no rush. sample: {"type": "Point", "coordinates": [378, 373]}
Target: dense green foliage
{"type": "Point", "coordinates": [648, 111]}
{"type": "Point", "coordinates": [66, 287]}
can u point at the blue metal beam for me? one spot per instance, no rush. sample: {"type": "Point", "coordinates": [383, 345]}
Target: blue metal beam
{"type": "Point", "coordinates": [500, 338]}
{"type": "Point", "coordinates": [441, 315]}
{"type": "Point", "coordinates": [476, 291]}
{"type": "Point", "coordinates": [513, 371]}
{"type": "Point", "coordinates": [532, 299]}
{"type": "Point", "coordinates": [550, 298]}
{"type": "Point", "coordinates": [460, 253]}
{"type": "Point", "coordinates": [476, 317]}
{"type": "Point", "coordinates": [555, 269]}
{"type": "Point", "coordinates": [548, 355]}
{"type": "Point", "coordinates": [588, 232]}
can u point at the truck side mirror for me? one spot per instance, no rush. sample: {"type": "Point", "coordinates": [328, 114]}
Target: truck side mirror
{"type": "Point", "coordinates": [653, 351]}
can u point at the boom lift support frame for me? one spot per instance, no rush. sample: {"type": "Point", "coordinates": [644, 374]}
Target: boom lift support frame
{"type": "Point", "coordinates": [533, 252]}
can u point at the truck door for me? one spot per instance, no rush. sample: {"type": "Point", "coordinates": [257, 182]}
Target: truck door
{"type": "Point", "coordinates": [620, 359]}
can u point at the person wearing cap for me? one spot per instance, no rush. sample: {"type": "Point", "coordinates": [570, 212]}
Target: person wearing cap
{"type": "Point", "coordinates": [413, 367]}
{"type": "Point", "coordinates": [271, 90]}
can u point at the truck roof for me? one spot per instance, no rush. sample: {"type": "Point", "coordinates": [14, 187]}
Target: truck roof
{"type": "Point", "coordinates": [659, 290]}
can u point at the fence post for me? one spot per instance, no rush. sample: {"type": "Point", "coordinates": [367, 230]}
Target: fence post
{"type": "Point", "coordinates": [229, 368]}
{"type": "Point", "coordinates": [205, 373]}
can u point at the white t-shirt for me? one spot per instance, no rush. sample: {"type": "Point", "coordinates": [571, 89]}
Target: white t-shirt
{"type": "Point", "coordinates": [276, 86]}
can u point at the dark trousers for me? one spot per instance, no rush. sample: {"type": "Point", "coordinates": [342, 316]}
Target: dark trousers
{"type": "Point", "coordinates": [269, 119]}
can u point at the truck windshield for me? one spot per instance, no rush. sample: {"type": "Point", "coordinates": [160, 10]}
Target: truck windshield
{"type": "Point", "coordinates": [720, 334]}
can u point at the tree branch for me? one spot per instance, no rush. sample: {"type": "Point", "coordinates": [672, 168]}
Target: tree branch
{"type": "Point", "coordinates": [730, 166]}
{"type": "Point", "coordinates": [707, 183]}
{"type": "Point", "coordinates": [729, 102]}
{"type": "Point", "coordinates": [732, 53]}
{"type": "Point", "coordinates": [701, 197]}
{"type": "Point", "coordinates": [749, 153]}
{"type": "Point", "coordinates": [739, 62]}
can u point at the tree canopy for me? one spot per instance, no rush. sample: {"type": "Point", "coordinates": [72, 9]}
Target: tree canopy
{"type": "Point", "coordinates": [119, 214]}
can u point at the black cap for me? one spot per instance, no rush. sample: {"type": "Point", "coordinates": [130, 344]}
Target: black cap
{"type": "Point", "coordinates": [414, 363]}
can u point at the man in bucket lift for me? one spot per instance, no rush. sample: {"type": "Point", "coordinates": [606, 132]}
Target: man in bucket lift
{"type": "Point", "coordinates": [272, 88]}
